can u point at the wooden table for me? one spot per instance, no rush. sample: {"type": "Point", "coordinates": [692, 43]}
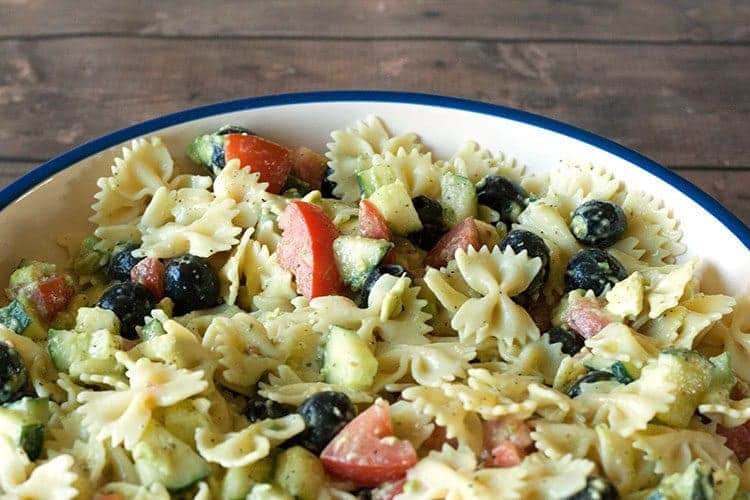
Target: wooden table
{"type": "Point", "coordinates": [670, 79]}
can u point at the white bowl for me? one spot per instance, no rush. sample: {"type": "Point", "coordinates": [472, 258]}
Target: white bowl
{"type": "Point", "coordinates": [55, 198]}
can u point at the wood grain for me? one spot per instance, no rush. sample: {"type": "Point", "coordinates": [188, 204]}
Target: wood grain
{"type": "Point", "coordinates": [683, 106]}
{"type": "Point", "coordinates": [637, 20]}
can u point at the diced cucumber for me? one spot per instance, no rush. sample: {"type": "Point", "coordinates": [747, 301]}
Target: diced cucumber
{"type": "Point", "coordinates": [696, 482]}
{"type": "Point", "coordinates": [458, 198]}
{"type": "Point", "coordinates": [176, 348]}
{"type": "Point", "coordinates": [183, 418]}
{"type": "Point", "coordinates": [29, 272]}
{"type": "Point", "coordinates": [208, 150]}
{"type": "Point", "coordinates": [153, 328]}
{"type": "Point", "coordinates": [373, 178]}
{"type": "Point", "coordinates": [162, 458]}
{"type": "Point", "coordinates": [300, 473]}
{"type": "Point", "coordinates": [22, 320]}
{"type": "Point", "coordinates": [396, 207]}
{"type": "Point", "coordinates": [24, 422]}
{"type": "Point", "coordinates": [348, 360]}
{"type": "Point", "coordinates": [238, 481]}
{"type": "Point", "coordinates": [624, 373]}
{"type": "Point", "coordinates": [90, 347]}
{"type": "Point", "coordinates": [691, 374]}
{"type": "Point", "coordinates": [357, 256]}
{"type": "Point", "coordinates": [90, 258]}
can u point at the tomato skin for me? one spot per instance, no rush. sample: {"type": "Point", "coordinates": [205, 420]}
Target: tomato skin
{"type": "Point", "coordinates": [438, 438]}
{"type": "Point", "coordinates": [505, 441]}
{"type": "Point", "coordinates": [51, 295]}
{"type": "Point", "coordinates": [308, 166]}
{"type": "Point", "coordinates": [149, 272]}
{"type": "Point", "coordinates": [366, 453]}
{"type": "Point", "coordinates": [463, 235]}
{"type": "Point", "coordinates": [371, 222]}
{"type": "Point", "coordinates": [738, 439]}
{"type": "Point", "coordinates": [505, 455]}
{"type": "Point", "coordinates": [260, 155]}
{"type": "Point", "coordinates": [306, 249]}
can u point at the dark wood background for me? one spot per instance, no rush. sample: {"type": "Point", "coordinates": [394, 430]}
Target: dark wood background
{"type": "Point", "coordinates": [668, 78]}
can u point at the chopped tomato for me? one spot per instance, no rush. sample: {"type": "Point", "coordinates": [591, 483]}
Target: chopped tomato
{"type": "Point", "coordinates": [306, 249]}
{"type": "Point", "coordinates": [366, 452]}
{"type": "Point", "coordinates": [463, 236]}
{"type": "Point", "coordinates": [51, 295]}
{"type": "Point", "coordinates": [389, 491]}
{"type": "Point", "coordinates": [308, 166]}
{"type": "Point", "coordinates": [586, 315]}
{"type": "Point", "coordinates": [260, 155]}
{"type": "Point", "coordinates": [497, 432]}
{"type": "Point", "coordinates": [149, 272]}
{"type": "Point", "coordinates": [505, 455]}
{"type": "Point", "coordinates": [738, 439]}
{"type": "Point", "coordinates": [371, 222]}
{"type": "Point", "coordinates": [438, 438]}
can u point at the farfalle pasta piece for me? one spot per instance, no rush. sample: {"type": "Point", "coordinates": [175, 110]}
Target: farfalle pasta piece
{"type": "Point", "coordinates": [553, 479]}
{"type": "Point", "coordinates": [625, 298]}
{"type": "Point", "coordinates": [572, 184]}
{"type": "Point", "coordinates": [52, 479]}
{"type": "Point", "coordinates": [617, 341]}
{"type": "Point", "coordinates": [448, 412]}
{"type": "Point", "coordinates": [410, 424]}
{"type": "Point", "coordinates": [475, 163]}
{"type": "Point", "coordinates": [672, 450]}
{"type": "Point", "coordinates": [352, 150]}
{"type": "Point", "coordinates": [651, 224]}
{"type": "Point", "coordinates": [495, 276]}
{"type": "Point", "coordinates": [415, 170]}
{"type": "Point", "coordinates": [451, 474]}
{"type": "Point", "coordinates": [252, 277]}
{"type": "Point", "coordinates": [538, 358]}
{"type": "Point", "coordinates": [244, 349]}
{"type": "Point", "coordinates": [245, 188]}
{"type": "Point", "coordinates": [684, 325]}
{"type": "Point", "coordinates": [122, 416]}
{"type": "Point", "coordinates": [428, 364]}
{"type": "Point", "coordinates": [131, 491]}
{"type": "Point", "coordinates": [629, 408]}
{"type": "Point", "coordinates": [237, 449]}
{"type": "Point", "coordinates": [556, 439]}
{"type": "Point", "coordinates": [393, 309]}
{"type": "Point", "coordinates": [176, 223]}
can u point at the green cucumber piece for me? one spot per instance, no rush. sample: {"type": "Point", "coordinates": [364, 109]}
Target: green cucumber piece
{"type": "Point", "coordinates": [90, 259]}
{"type": "Point", "coordinates": [300, 473]}
{"type": "Point", "coordinates": [458, 198]}
{"type": "Point", "coordinates": [182, 420]}
{"type": "Point", "coordinates": [14, 317]}
{"type": "Point", "coordinates": [691, 373]}
{"type": "Point", "coordinates": [208, 150]}
{"type": "Point", "coordinates": [153, 328]}
{"type": "Point", "coordinates": [348, 360]}
{"type": "Point", "coordinates": [356, 257]}
{"type": "Point", "coordinates": [24, 422]}
{"type": "Point", "coordinates": [396, 207]}
{"type": "Point", "coordinates": [373, 178]}
{"type": "Point", "coordinates": [162, 458]}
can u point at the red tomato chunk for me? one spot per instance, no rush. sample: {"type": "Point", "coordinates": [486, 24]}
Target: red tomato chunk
{"type": "Point", "coordinates": [306, 249]}
{"type": "Point", "coordinates": [149, 272]}
{"type": "Point", "coordinates": [51, 295]}
{"type": "Point", "coordinates": [371, 222]}
{"type": "Point", "coordinates": [462, 236]}
{"type": "Point", "coordinates": [260, 155]}
{"type": "Point", "coordinates": [738, 439]}
{"type": "Point", "coordinates": [308, 166]}
{"type": "Point", "coordinates": [586, 316]}
{"type": "Point", "coordinates": [366, 453]}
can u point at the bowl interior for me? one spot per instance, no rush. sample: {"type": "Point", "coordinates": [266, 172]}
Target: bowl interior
{"type": "Point", "coordinates": [30, 226]}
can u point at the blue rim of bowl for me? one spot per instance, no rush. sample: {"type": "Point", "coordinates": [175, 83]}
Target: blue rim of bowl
{"type": "Point", "coordinates": [28, 181]}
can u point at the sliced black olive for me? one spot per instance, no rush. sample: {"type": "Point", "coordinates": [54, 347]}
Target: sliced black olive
{"type": "Point", "coordinates": [433, 227]}
{"type": "Point", "coordinates": [598, 223]}
{"type": "Point", "coordinates": [571, 341]}
{"type": "Point", "coordinates": [191, 283]}
{"type": "Point", "coordinates": [122, 261]}
{"type": "Point", "coordinates": [597, 488]}
{"type": "Point", "coordinates": [593, 269]}
{"type": "Point", "coordinates": [327, 185]}
{"type": "Point", "coordinates": [589, 378]}
{"type": "Point", "coordinates": [374, 276]}
{"type": "Point", "coordinates": [233, 129]}
{"type": "Point", "coordinates": [502, 195]}
{"type": "Point", "coordinates": [520, 240]}
{"type": "Point", "coordinates": [325, 414]}
{"type": "Point", "coordinates": [13, 373]}
{"type": "Point", "coordinates": [260, 409]}
{"type": "Point", "coordinates": [131, 302]}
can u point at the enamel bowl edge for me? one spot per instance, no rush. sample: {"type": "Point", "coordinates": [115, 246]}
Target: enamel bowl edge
{"type": "Point", "coordinates": [55, 198]}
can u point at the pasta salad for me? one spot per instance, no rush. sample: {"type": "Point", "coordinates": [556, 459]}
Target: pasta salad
{"type": "Point", "coordinates": [371, 323]}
